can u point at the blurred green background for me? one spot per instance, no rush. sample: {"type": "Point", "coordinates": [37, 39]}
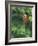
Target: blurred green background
{"type": "Point", "coordinates": [17, 27]}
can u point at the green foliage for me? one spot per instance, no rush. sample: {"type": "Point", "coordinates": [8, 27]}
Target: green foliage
{"type": "Point", "coordinates": [22, 10]}
{"type": "Point", "coordinates": [17, 27]}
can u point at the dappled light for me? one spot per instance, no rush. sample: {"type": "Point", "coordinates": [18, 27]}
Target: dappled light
{"type": "Point", "coordinates": [21, 22]}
